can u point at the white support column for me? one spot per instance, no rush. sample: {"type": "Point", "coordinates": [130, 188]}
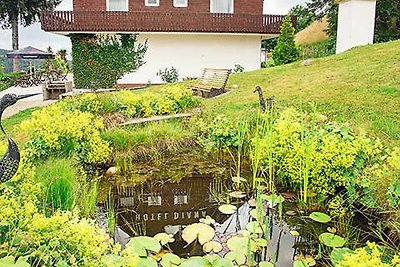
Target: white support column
{"type": "Point", "coordinates": [356, 24]}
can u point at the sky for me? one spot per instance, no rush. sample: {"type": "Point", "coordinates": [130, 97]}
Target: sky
{"type": "Point", "coordinates": [35, 37]}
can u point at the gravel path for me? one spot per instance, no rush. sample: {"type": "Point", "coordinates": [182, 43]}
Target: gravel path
{"type": "Point", "coordinates": [30, 102]}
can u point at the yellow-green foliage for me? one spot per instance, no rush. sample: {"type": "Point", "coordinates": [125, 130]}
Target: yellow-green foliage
{"type": "Point", "coordinates": [168, 100]}
{"type": "Point", "coordinates": [54, 130]}
{"type": "Point", "coordinates": [370, 256]}
{"type": "Point", "coordinates": [48, 241]}
{"type": "Point", "coordinates": [333, 153]}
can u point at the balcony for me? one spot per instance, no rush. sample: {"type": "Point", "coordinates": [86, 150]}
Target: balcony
{"type": "Point", "coordinates": [144, 21]}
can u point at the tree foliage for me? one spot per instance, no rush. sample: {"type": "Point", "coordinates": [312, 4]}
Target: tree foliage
{"type": "Point", "coordinates": [304, 17]}
{"type": "Point", "coordinates": [286, 50]}
{"type": "Point", "coordinates": [27, 11]}
{"type": "Point", "coordinates": [387, 25]}
{"type": "Point", "coordinates": [99, 61]}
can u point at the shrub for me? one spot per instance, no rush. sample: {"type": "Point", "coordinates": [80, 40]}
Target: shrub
{"type": "Point", "coordinates": [168, 75]}
{"type": "Point", "coordinates": [99, 61]}
{"type": "Point", "coordinates": [171, 99]}
{"type": "Point", "coordinates": [321, 49]}
{"type": "Point", "coordinates": [286, 50]}
{"type": "Point", "coordinates": [54, 130]}
{"type": "Point", "coordinates": [371, 255]}
{"type": "Point", "coordinates": [7, 79]}
{"type": "Point", "coordinates": [238, 68]}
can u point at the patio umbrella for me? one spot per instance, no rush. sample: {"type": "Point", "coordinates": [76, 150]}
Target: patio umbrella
{"type": "Point", "coordinates": [30, 53]}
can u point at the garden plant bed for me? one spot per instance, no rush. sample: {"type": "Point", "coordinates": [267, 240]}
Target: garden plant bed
{"type": "Point", "coordinates": [295, 180]}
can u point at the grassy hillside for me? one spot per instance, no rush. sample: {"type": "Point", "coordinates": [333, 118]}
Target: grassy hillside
{"type": "Point", "coordinates": [361, 86]}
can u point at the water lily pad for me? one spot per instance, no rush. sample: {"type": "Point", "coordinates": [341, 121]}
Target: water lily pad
{"type": "Point", "coordinates": [254, 227]}
{"type": "Point", "coordinates": [164, 238]}
{"type": "Point", "coordinates": [252, 202]}
{"type": "Point", "coordinates": [9, 261]}
{"type": "Point", "coordinates": [241, 244]}
{"type": "Point", "coordinates": [331, 230]}
{"type": "Point", "coordinates": [147, 262]}
{"type": "Point", "coordinates": [294, 233]}
{"type": "Point", "coordinates": [306, 260]}
{"type": "Point", "coordinates": [273, 199]}
{"type": "Point", "coordinates": [254, 213]}
{"type": "Point", "coordinates": [244, 233]}
{"type": "Point", "coordinates": [236, 256]}
{"type": "Point", "coordinates": [170, 260]}
{"type": "Point", "coordinates": [200, 231]}
{"type": "Point", "coordinates": [320, 217]}
{"type": "Point", "coordinates": [237, 179]}
{"type": "Point", "coordinates": [237, 194]}
{"type": "Point", "coordinates": [212, 246]}
{"type": "Point", "coordinates": [291, 213]}
{"type": "Point", "coordinates": [196, 262]}
{"type": "Point", "coordinates": [140, 245]}
{"type": "Point", "coordinates": [332, 240]}
{"type": "Point", "coordinates": [266, 264]}
{"type": "Point", "coordinates": [227, 209]}
{"type": "Point", "coordinates": [261, 242]}
{"type": "Point", "coordinates": [337, 255]}
{"type": "Point", "coordinates": [207, 220]}
{"type": "Point", "coordinates": [217, 261]}
{"type": "Point", "coordinates": [299, 263]}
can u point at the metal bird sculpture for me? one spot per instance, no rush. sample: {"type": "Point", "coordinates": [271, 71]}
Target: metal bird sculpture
{"type": "Point", "coordinates": [263, 105]}
{"type": "Point", "coordinates": [10, 162]}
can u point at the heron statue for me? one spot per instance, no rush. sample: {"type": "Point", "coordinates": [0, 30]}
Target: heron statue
{"type": "Point", "coordinates": [10, 162]}
{"type": "Point", "coordinates": [270, 101]}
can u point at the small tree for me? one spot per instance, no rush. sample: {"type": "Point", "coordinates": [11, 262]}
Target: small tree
{"type": "Point", "coordinates": [286, 50]}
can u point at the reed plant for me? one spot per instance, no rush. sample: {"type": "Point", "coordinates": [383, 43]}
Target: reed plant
{"type": "Point", "coordinates": [58, 177]}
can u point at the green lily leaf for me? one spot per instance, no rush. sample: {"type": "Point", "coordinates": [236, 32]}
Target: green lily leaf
{"type": "Point", "coordinates": [164, 238]}
{"type": "Point", "coordinates": [207, 220]}
{"type": "Point", "coordinates": [170, 260]}
{"type": "Point", "coordinates": [237, 194]}
{"type": "Point", "coordinates": [196, 262]}
{"type": "Point", "coordinates": [212, 246]}
{"type": "Point", "coordinates": [265, 264]}
{"type": "Point", "coordinates": [147, 262]}
{"type": "Point", "coordinates": [200, 231]}
{"type": "Point", "coordinates": [240, 244]}
{"type": "Point", "coordinates": [217, 261]}
{"type": "Point", "coordinates": [227, 209]}
{"type": "Point", "coordinates": [254, 228]}
{"type": "Point", "coordinates": [236, 256]}
{"type": "Point", "coordinates": [140, 245]}
{"type": "Point", "coordinates": [320, 217]}
{"type": "Point", "coordinates": [332, 240]}
{"type": "Point", "coordinates": [9, 261]}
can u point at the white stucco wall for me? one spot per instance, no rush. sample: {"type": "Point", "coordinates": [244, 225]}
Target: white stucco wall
{"type": "Point", "coordinates": [356, 24]}
{"type": "Point", "coordinates": [191, 53]}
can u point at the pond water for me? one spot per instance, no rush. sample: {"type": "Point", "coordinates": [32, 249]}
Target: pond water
{"type": "Point", "coordinates": [168, 204]}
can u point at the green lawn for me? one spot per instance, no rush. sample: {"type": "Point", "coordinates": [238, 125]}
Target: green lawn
{"type": "Point", "coordinates": [361, 86]}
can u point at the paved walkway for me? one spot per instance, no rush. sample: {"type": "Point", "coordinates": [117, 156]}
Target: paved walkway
{"type": "Point", "coordinates": [30, 102]}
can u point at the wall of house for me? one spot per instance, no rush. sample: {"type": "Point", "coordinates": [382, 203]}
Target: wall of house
{"type": "Point", "coordinates": [240, 6]}
{"type": "Point", "coordinates": [191, 53]}
{"type": "Point", "coordinates": [356, 24]}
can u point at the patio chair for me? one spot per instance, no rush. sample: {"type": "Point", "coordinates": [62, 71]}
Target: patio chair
{"type": "Point", "coordinates": [212, 83]}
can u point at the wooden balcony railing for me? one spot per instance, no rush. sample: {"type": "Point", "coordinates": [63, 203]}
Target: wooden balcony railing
{"type": "Point", "coordinates": [144, 21]}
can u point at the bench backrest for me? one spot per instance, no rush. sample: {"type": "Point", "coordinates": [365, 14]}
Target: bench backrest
{"type": "Point", "coordinates": [217, 78]}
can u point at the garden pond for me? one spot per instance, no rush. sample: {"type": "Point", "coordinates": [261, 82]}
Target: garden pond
{"type": "Point", "coordinates": [169, 194]}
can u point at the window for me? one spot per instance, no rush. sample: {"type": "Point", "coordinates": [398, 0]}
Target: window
{"type": "Point", "coordinates": [118, 5]}
{"type": "Point", "coordinates": [180, 199]}
{"type": "Point", "coordinates": [154, 200]}
{"type": "Point", "coordinates": [221, 6]}
{"type": "Point", "coordinates": [180, 3]}
{"type": "Point", "coordinates": [152, 2]}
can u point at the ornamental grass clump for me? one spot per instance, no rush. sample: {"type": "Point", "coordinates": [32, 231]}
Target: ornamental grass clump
{"type": "Point", "coordinates": [56, 131]}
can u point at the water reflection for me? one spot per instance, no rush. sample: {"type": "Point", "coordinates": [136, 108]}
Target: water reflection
{"type": "Point", "coordinates": [165, 206]}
